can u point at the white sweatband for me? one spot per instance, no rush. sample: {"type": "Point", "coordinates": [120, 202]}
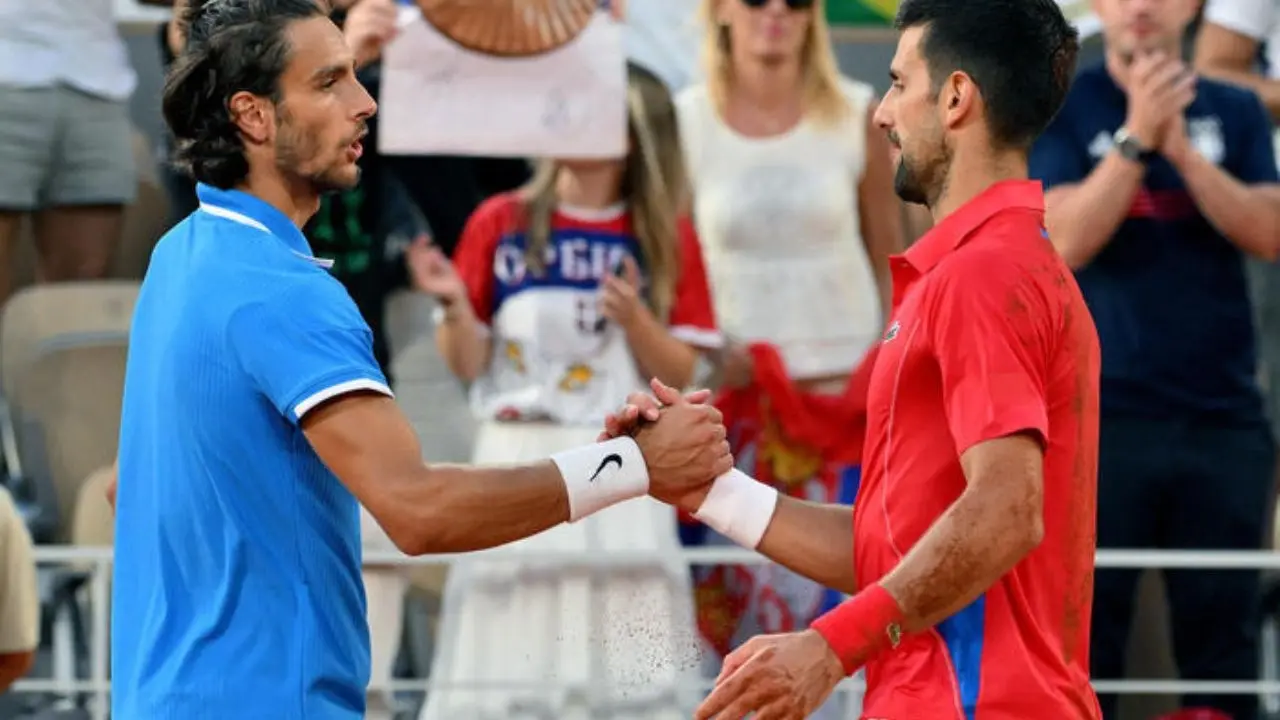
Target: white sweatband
{"type": "Point", "coordinates": [739, 507]}
{"type": "Point", "coordinates": [600, 475]}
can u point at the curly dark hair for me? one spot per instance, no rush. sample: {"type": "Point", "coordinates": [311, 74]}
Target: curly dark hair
{"type": "Point", "coordinates": [231, 46]}
{"type": "Point", "coordinates": [1020, 53]}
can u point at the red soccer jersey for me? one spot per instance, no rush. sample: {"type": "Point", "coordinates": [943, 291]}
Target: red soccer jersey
{"type": "Point", "coordinates": [989, 336]}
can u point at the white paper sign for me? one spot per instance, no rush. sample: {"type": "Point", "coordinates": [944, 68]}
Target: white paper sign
{"type": "Point", "coordinates": [440, 98]}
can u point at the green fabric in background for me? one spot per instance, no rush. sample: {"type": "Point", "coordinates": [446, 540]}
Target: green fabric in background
{"type": "Point", "coordinates": [861, 13]}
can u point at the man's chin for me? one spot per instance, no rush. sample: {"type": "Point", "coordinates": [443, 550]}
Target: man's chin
{"type": "Point", "coordinates": [911, 194]}
{"type": "Point", "coordinates": [344, 179]}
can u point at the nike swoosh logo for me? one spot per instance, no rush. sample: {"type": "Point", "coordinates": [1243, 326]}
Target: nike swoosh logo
{"type": "Point", "coordinates": [612, 459]}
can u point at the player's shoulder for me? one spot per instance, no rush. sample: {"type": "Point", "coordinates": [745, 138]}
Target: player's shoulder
{"type": "Point", "coordinates": [302, 301]}
{"type": "Point", "coordinates": [1013, 256]}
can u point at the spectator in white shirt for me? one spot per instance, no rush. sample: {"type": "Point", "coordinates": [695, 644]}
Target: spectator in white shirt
{"type": "Point", "coordinates": [65, 150]}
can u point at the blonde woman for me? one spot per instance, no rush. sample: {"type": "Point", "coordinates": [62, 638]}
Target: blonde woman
{"type": "Point", "coordinates": [561, 298]}
{"type": "Point", "coordinates": [797, 216]}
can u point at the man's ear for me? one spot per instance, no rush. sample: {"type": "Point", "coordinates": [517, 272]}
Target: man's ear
{"type": "Point", "coordinates": [253, 115]}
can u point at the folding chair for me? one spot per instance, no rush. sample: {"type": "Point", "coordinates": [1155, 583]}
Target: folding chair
{"type": "Point", "coordinates": [62, 358]}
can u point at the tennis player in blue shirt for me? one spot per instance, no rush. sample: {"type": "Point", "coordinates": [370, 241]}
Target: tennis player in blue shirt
{"type": "Point", "coordinates": [255, 416]}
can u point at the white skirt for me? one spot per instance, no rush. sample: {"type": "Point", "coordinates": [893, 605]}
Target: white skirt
{"type": "Point", "coordinates": [525, 638]}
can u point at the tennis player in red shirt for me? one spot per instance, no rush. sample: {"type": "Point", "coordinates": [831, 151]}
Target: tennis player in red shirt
{"type": "Point", "coordinates": [969, 552]}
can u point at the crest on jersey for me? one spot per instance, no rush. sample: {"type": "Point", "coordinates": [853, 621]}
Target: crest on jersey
{"type": "Point", "coordinates": [1206, 138]}
{"type": "Point", "coordinates": [892, 332]}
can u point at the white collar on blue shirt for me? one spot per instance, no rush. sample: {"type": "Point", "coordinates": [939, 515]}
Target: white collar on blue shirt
{"type": "Point", "coordinates": [216, 202]}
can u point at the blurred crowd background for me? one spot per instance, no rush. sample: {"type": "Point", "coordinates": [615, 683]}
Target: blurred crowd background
{"type": "Point", "coordinates": [745, 241]}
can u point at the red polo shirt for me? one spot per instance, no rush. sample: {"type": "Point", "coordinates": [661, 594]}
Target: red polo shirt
{"type": "Point", "coordinates": [989, 336]}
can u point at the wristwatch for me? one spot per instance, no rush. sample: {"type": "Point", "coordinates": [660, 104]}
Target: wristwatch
{"type": "Point", "coordinates": [1129, 147]}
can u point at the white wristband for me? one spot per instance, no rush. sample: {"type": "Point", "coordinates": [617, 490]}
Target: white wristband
{"type": "Point", "coordinates": [739, 507]}
{"type": "Point", "coordinates": [600, 475]}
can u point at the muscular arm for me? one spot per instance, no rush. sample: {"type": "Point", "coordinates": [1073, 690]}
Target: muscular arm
{"type": "Point", "coordinates": [1247, 215]}
{"type": "Point", "coordinates": [1083, 217]}
{"type": "Point", "coordinates": [995, 523]}
{"type": "Point", "coordinates": [367, 442]}
{"type": "Point", "coordinates": [878, 207]}
{"type": "Point", "coordinates": [1230, 56]}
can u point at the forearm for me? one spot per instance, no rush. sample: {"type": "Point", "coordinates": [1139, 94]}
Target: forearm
{"type": "Point", "coordinates": [1248, 216]}
{"type": "Point", "coordinates": [814, 540]}
{"type": "Point", "coordinates": [976, 541]}
{"type": "Point", "coordinates": [429, 509]}
{"type": "Point", "coordinates": [1081, 219]}
{"type": "Point", "coordinates": [455, 508]}
{"type": "Point", "coordinates": [658, 353]}
{"type": "Point", "coordinates": [463, 341]}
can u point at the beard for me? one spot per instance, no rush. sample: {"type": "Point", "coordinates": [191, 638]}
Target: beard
{"type": "Point", "coordinates": [922, 183]}
{"type": "Point", "coordinates": [298, 154]}
{"type": "Point", "coordinates": [906, 183]}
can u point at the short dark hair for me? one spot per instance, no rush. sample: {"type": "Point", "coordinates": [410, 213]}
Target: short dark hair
{"type": "Point", "coordinates": [231, 46]}
{"type": "Point", "coordinates": [1021, 53]}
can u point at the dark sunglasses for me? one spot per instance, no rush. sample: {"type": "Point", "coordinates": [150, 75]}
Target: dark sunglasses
{"type": "Point", "coordinates": [791, 4]}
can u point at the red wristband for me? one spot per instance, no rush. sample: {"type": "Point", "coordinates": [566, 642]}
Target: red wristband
{"type": "Point", "coordinates": [862, 627]}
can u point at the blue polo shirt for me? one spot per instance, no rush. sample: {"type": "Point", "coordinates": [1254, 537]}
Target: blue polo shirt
{"type": "Point", "coordinates": [237, 590]}
{"type": "Point", "coordinates": [1168, 292]}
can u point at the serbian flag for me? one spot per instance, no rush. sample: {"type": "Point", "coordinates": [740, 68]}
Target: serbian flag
{"type": "Point", "coordinates": [804, 444]}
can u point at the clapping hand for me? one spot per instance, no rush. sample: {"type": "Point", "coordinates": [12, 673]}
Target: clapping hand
{"type": "Point", "coordinates": [432, 273]}
{"type": "Point", "coordinates": [620, 298]}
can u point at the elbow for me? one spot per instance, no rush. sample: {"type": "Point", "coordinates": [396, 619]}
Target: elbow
{"type": "Point", "coordinates": [1270, 242]}
{"type": "Point", "coordinates": [412, 542]}
{"type": "Point", "coordinates": [1270, 250]}
{"type": "Point", "coordinates": [427, 537]}
{"type": "Point", "coordinates": [421, 533]}
{"type": "Point", "coordinates": [1032, 533]}
{"type": "Point", "coordinates": [1070, 249]}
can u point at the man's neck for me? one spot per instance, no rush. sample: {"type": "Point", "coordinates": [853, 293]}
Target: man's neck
{"type": "Point", "coordinates": [297, 200]}
{"type": "Point", "coordinates": [970, 178]}
{"type": "Point", "coordinates": [767, 84]}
